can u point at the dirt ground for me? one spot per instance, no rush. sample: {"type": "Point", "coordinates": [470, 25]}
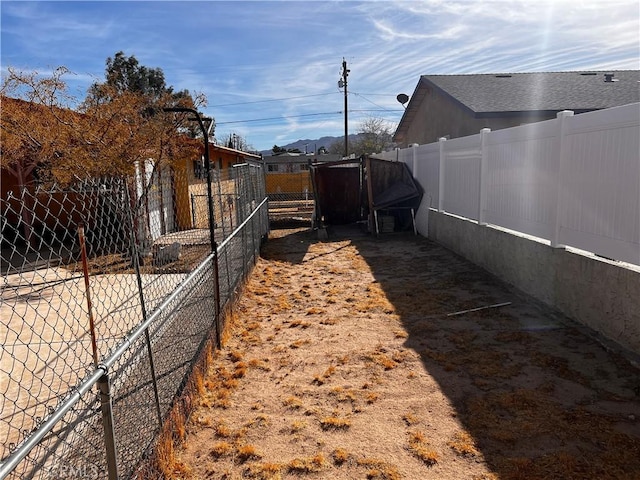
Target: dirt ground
{"type": "Point", "coordinates": [358, 358]}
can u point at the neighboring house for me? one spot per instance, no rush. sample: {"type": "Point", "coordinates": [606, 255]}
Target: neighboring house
{"type": "Point", "coordinates": [224, 157]}
{"type": "Point", "coordinates": [288, 173]}
{"type": "Point", "coordinates": [191, 187]}
{"type": "Point", "coordinates": [453, 106]}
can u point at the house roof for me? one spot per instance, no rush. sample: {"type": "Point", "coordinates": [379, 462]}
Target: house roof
{"type": "Point", "coordinates": [503, 94]}
{"type": "Point", "coordinates": [233, 151]}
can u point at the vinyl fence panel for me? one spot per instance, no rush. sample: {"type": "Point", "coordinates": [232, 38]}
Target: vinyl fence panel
{"type": "Point", "coordinates": [462, 176]}
{"type": "Point", "coordinates": [600, 198]}
{"type": "Point", "coordinates": [427, 172]}
{"type": "Point", "coordinates": [573, 180]}
{"type": "Point", "coordinates": [521, 181]}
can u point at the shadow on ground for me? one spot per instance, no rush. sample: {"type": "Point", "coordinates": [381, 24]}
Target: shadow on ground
{"type": "Point", "coordinates": [539, 396]}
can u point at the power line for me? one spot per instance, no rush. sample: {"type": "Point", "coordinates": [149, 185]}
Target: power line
{"type": "Point", "coordinates": [372, 103]}
{"type": "Point", "coordinates": [272, 100]}
{"type": "Point", "coordinates": [378, 94]}
{"type": "Point", "coordinates": [375, 110]}
{"type": "Point", "coordinates": [282, 117]}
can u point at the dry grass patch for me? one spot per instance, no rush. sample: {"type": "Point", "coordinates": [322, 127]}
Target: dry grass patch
{"type": "Point", "coordinates": [264, 471]}
{"type": "Point", "coordinates": [371, 397]}
{"type": "Point", "coordinates": [311, 464]}
{"type": "Point", "coordinates": [344, 395]}
{"type": "Point", "coordinates": [383, 360]}
{"type": "Point", "coordinates": [462, 339]}
{"type": "Point", "coordinates": [282, 304]}
{"type": "Point", "coordinates": [259, 290]}
{"type": "Point", "coordinates": [247, 452]}
{"type": "Point", "coordinates": [508, 416]}
{"type": "Point", "coordinates": [329, 321]}
{"type": "Point", "coordinates": [297, 426]}
{"type": "Point", "coordinates": [249, 337]}
{"type": "Point", "coordinates": [320, 379]}
{"type": "Point", "coordinates": [340, 456]}
{"type": "Point", "coordinates": [259, 421]}
{"type": "Point", "coordinates": [401, 334]}
{"type": "Point", "coordinates": [299, 323]}
{"type": "Point", "coordinates": [463, 444]}
{"type": "Point", "coordinates": [198, 382]}
{"type": "Point", "coordinates": [315, 311]}
{"type": "Point", "coordinates": [420, 448]}
{"type": "Point", "coordinates": [220, 449]}
{"type": "Point", "coordinates": [293, 402]}
{"type": "Point", "coordinates": [236, 355]}
{"type": "Point", "coordinates": [299, 343]}
{"type": "Point", "coordinates": [400, 356]}
{"type": "Point", "coordinates": [410, 419]}
{"type": "Point", "coordinates": [240, 370]}
{"type": "Point", "coordinates": [379, 470]}
{"type": "Point", "coordinates": [230, 384]}
{"type": "Point", "coordinates": [223, 430]}
{"type": "Point", "coordinates": [260, 364]}
{"type": "Point", "coordinates": [335, 423]}
{"type": "Point", "coordinates": [375, 300]}
{"type": "Point", "coordinates": [523, 414]}
{"type": "Point", "coordinates": [253, 326]}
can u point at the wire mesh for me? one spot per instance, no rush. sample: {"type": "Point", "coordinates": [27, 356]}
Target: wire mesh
{"type": "Point", "coordinates": [149, 262]}
{"type": "Point", "coordinates": [289, 188]}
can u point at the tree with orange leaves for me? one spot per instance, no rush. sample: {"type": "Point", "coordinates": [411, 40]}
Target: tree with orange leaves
{"type": "Point", "coordinates": [46, 131]}
{"type": "Point", "coordinates": [48, 135]}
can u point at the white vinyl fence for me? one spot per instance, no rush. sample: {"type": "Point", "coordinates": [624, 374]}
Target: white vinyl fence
{"type": "Point", "coordinates": [572, 180]}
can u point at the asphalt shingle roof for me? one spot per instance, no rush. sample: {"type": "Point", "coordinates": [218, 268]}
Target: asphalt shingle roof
{"type": "Point", "coordinates": [541, 91]}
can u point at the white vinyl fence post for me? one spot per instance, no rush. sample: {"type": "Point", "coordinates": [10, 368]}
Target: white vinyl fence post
{"type": "Point", "coordinates": [561, 155]}
{"type": "Point", "coordinates": [482, 178]}
{"type": "Point", "coordinates": [414, 153]}
{"type": "Point", "coordinates": [441, 140]}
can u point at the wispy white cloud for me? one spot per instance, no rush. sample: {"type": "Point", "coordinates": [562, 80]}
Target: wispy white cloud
{"type": "Point", "coordinates": [391, 33]}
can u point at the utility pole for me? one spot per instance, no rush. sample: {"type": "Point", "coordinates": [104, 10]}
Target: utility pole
{"type": "Point", "coordinates": [343, 83]}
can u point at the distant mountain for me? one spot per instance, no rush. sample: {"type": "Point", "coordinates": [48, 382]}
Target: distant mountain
{"type": "Point", "coordinates": [312, 145]}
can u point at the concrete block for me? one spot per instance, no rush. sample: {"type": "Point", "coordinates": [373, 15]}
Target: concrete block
{"type": "Point", "coordinates": [600, 294]}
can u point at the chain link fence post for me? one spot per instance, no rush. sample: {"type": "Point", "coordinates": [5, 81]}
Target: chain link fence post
{"type": "Point", "coordinates": [135, 256]}
{"type": "Point", "coordinates": [108, 426]}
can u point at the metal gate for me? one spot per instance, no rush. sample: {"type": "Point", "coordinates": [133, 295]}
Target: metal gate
{"type": "Point", "coordinates": [289, 189]}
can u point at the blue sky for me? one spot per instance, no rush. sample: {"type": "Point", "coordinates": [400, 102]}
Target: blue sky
{"type": "Point", "coordinates": [269, 69]}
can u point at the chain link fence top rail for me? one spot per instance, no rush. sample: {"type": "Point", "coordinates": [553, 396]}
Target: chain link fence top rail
{"type": "Point", "coordinates": [82, 268]}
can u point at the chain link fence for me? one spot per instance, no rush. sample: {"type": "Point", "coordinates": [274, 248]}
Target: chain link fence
{"type": "Point", "coordinates": [111, 290]}
{"type": "Point", "coordinates": [289, 189]}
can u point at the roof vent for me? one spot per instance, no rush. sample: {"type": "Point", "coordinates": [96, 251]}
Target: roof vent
{"type": "Point", "coordinates": [504, 76]}
{"type": "Point", "coordinates": [608, 78]}
{"type": "Point", "coordinates": [585, 74]}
